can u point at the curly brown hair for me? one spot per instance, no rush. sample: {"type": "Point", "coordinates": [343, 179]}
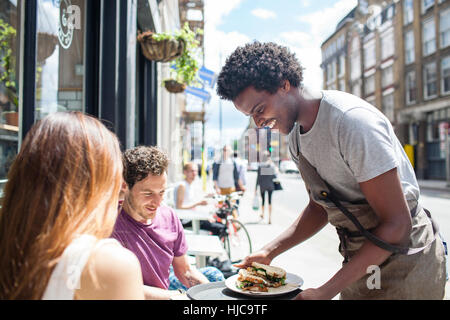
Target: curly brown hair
{"type": "Point", "coordinates": [141, 161]}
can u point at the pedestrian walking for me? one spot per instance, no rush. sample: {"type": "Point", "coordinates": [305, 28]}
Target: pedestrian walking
{"type": "Point", "coordinates": [266, 174]}
{"type": "Point", "coordinates": [357, 175]}
{"type": "Point", "coordinates": [59, 208]}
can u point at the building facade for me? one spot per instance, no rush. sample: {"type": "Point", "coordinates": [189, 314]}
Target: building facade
{"type": "Point", "coordinates": [63, 55]}
{"type": "Point", "coordinates": [396, 56]}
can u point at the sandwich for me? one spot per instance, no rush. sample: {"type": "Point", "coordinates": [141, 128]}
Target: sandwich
{"type": "Point", "coordinates": [259, 277]}
{"type": "Point", "coordinates": [248, 281]}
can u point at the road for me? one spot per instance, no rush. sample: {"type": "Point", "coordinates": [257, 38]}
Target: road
{"type": "Point", "coordinates": [317, 259]}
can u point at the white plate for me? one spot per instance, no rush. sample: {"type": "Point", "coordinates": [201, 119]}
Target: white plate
{"type": "Point", "coordinates": [293, 282]}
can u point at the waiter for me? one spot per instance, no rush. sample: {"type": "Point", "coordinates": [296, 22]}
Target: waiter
{"type": "Point", "coordinates": [357, 175]}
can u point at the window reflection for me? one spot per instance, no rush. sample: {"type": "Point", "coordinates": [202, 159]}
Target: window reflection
{"type": "Point", "coordinates": [9, 82]}
{"type": "Point", "coordinates": [60, 59]}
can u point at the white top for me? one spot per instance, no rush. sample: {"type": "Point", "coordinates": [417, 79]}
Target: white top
{"type": "Point", "coordinates": [65, 278]}
{"type": "Point", "coordinates": [351, 142]}
{"type": "Point", "coordinates": [187, 193]}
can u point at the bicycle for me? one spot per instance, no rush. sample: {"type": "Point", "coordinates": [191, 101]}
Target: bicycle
{"type": "Point", "coordinates": [235, 238]}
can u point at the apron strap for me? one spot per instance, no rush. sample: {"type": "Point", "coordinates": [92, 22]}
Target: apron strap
{"type": "Point", "coordinates": [306, 168]}
{"type": "Point", "coordinates": [374, 239]}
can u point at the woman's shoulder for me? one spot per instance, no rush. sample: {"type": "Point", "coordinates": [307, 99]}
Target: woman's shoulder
{"type": "Point", "coordinates": [110, 266]}
{"type": "Point", "coordinates": [110, 257]}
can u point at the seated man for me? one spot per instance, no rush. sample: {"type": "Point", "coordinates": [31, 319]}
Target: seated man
{"type": "Point", "coordinates": [152, 230]}
{"type": "Point", "coordinates": [184, 199]}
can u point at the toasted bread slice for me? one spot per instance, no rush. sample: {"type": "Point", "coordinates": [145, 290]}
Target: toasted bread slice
{"type": "Point", "coordinates": [271, 271]}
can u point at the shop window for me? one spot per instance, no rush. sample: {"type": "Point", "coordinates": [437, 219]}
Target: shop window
{"type": "Point", "coordinates": [409, 47]}
{"type": "Point", "coordinates": [387, 44]}
{"type": "Point", "coordinates": [9, 85]}
{"type": "Point", "coordinates": [388, 106]}
{"type": "Point", "coordinates": [445, 75]}
{"type": "Point", "coordinates": [430, 80]}
{"type": "Point", "coordinates": [426, 4]}
{"type": "Point", "coordinates": [341, 65]}
{"type": "Point", "coordinates": [369, 85]}
{"type": "Point", "coordinates": [369, 54]}
{"type": "Point", "coordinates": [444, 28]}
{"type": "Point", "coordinates": [60, 58]}
{"type": "Point", "coordinates": [411, 89]}
{"type": "Point", "coordinates": [428, 37]}
{"type": "Point", "coordinates": [387, 76]}
{"type": "Point", "coordinates": [356, 89]}
{"type": "Point", "coordinates": [408, 11]}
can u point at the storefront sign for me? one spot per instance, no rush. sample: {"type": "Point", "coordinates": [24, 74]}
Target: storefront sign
{"type": "Point", "coordinates": [69, 20]}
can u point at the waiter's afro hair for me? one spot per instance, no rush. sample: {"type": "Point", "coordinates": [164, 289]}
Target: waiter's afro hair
{"type": "Point", "coordinates": [262, 65]}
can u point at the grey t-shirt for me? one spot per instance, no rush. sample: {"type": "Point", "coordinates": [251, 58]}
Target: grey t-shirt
{"type": "Point", "coordinates": [350, 142]}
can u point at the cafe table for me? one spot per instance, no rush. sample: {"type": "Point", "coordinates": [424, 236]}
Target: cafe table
{"type": "Point", "coordinates": [196, 215]}
{"type": "Point", "coordinates": [202, 246]}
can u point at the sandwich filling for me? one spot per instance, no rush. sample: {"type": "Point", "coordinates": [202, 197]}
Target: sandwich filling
{"type": "Point", "coordinates": [259, 277]}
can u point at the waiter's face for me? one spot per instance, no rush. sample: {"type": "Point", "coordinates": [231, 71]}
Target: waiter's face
{"type": "Point", "coordinates": [144, 198]}
{"type": "Point", "coordinates": [268, 110]}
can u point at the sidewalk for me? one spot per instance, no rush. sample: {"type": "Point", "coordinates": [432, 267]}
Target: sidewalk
{"type": "Point", "coordinates": [437, 185]}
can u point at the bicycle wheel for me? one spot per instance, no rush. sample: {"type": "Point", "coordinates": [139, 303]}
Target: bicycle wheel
{"type": "Point", "coordinates": [237, 241]}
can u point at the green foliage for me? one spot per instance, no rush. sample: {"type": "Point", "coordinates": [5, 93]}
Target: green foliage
{"type": "Point", "coordinates": [7, 63]}
{"type": "Point", "coordinates": [186, 66]}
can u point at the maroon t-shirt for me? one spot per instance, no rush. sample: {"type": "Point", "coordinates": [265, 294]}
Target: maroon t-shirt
{"type": "Point", "coordinates": [154, 244]}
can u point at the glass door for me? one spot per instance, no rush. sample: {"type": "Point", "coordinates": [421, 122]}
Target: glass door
{"type": "Point", "coordinates": [9, 84]}
{"type": "Point", "coordinates": [60, 56]}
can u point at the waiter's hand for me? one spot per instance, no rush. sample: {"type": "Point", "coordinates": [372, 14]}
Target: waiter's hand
{"type": "Point", "coordinates": [312, 294]}
{"type": "Point", "coordinates": [259, 256]}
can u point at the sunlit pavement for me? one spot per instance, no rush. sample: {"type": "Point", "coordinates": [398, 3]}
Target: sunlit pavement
{"type": "Point", "coordinates": [317, 259]}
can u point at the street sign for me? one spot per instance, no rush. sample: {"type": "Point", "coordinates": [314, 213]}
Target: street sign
{"type": "Point", "coordinates": [208, 76]}
{"type": "Point", "coordinates": [199, 92]}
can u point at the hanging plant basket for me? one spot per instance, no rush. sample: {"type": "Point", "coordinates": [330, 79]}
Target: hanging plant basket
{"type": "Point", "coordinates": [162, 50]}
{"type": "Point", "coordinates": [174, 86]}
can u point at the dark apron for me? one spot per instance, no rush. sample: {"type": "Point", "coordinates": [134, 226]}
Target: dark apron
{"type": "Point", "coordinates": [413, 272]}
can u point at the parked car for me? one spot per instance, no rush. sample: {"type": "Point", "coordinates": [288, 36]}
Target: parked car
{"type": "Point", "coordinates": [288, 166]}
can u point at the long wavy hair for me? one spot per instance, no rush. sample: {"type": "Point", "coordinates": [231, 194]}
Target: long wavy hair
{"type": "Point", "coordinates": [63, 183]}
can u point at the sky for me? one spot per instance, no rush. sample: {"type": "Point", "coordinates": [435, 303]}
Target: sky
{"type": "Point", "coordinates": [301, 25]}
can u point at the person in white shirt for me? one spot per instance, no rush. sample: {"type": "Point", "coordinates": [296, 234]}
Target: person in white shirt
{"type": "Point", "coordinates": [184, 199]}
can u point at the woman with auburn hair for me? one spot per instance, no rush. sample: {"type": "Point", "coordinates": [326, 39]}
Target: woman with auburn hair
{"type": "Point", "coordinates": [59, 206]}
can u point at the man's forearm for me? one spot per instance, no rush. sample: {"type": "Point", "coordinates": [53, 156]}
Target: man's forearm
{"type": "Point", "coordinates": [154, 293]}
{"type": "Point", "coordinates": [312, 219]}
{"type": "Point", "coordinates": [191, 277]}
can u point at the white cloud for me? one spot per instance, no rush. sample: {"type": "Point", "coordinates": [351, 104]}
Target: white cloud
{"type": "Point", "coordinates": [306, 45]}
{"type": "Point", "coordinates": [305, 3]}
{"type": "Point", "coordinates": [264, 13]}
{"type": "Point", "coordinates": [320, 20]}
{"type": "Point", "coordinates": [218, 46]}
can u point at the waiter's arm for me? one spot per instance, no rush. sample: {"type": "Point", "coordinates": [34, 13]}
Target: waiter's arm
{"type": "Point", "coordinates": [385, 195]}
{"type": "Point", "coordinates": [311, 220]}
